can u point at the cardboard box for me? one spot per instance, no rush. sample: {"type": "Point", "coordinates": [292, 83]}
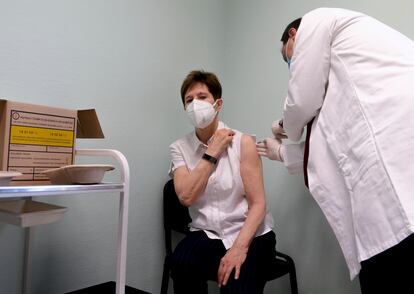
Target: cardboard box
{"type": "Point", "coordinates": [36, 137]}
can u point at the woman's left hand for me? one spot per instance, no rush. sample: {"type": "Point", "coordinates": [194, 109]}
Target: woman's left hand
{"type": "Point", "coordinates": [233, 259]}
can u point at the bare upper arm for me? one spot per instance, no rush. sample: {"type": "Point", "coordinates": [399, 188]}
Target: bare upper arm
{"type": "Point", "coordinates": [251, 170]}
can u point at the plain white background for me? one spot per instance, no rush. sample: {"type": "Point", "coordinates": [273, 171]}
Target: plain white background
{"type": "Point", "coordinates": [127, 59]}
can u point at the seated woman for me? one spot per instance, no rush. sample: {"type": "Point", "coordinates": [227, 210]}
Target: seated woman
{"type": "Point", "coordinates": [218, 175]}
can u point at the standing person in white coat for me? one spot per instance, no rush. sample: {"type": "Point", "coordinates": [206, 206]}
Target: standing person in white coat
{"type": "Point", "coordinates": [352, 83]}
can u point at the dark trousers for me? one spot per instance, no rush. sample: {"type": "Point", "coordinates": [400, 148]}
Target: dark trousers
{"type": "Point", "coordinates": [196, 260]}
{"type": "Point", "coordinates": [391, 271]}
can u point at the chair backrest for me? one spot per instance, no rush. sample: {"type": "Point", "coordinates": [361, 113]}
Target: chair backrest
{"type": "Point", "coordinates": [176, 215]}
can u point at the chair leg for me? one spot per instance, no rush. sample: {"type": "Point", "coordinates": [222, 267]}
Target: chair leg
{"type": "Point", "coordinates": [293, 281]}
{"type": "Point", "coordinates": [165, 278]}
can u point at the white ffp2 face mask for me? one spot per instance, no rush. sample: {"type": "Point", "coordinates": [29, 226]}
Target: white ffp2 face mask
{"type": "Point", "coordinates": [201, 113]}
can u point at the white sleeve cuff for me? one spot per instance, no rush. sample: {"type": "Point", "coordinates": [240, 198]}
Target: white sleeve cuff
{"type": "Point", "coordinates": [292, 155]}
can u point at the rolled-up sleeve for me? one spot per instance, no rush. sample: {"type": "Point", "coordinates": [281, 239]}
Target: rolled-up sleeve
{"type": "Point", "coordinates": [177, 158]}
{"type": "Point", "coordinates": [293, 157]}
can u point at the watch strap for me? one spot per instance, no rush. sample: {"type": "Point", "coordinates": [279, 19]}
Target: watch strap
{"type": "Point", "coordinates": [209, 158]}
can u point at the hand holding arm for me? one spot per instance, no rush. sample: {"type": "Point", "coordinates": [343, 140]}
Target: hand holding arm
{"type": "Point", "coordinates": [221, 139]}
{"type": "Point", "coordinates": [189, 184]}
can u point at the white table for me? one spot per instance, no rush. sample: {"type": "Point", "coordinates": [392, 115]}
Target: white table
{"type": "Point", "coordinates": [54, 190]}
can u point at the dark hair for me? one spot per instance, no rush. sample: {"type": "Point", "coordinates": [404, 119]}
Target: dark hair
{"type": "Point", "coordinates": [294, 24]}
{"type": "Point", "coordinates": [207, 78]}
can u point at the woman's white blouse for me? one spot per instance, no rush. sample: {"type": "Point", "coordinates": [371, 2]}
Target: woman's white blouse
{"type": "Point", "coordinates": [221, 209]}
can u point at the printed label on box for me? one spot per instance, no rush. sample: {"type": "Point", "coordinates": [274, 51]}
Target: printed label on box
{"type": "Point", "coordinates": [38, 142]}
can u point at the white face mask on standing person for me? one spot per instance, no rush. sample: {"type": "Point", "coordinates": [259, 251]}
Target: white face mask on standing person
{"type": "Point", "coordinates": [201, 113]}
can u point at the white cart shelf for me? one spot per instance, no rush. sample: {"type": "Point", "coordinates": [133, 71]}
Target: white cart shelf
{"type": "Point", "coordinates": [55, 190]}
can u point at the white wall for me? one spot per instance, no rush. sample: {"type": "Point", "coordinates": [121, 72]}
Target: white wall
{"type": "Point", "coordinates": [128, 59]}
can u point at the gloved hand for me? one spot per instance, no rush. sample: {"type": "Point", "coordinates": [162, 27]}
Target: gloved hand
{"type": "Point", "coordinates": [278, 131]}
{"type": "Point", "coordinates": [270, 148]}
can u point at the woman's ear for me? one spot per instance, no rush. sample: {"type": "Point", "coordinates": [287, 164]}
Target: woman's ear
{"type": "Point", "coordinates": [292, 33]}
{"type": "Point", "coordinates": [219, 104]}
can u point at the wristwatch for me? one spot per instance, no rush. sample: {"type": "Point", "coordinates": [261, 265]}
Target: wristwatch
{"type": "Point", "coordinates": [209, 158]}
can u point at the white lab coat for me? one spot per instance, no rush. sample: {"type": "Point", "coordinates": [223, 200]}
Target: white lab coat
{"type": "Point", "coordinates": [355, 75]}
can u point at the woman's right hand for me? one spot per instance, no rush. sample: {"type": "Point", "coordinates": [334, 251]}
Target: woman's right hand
{"type": "Point", "coordinates": [221, 139]}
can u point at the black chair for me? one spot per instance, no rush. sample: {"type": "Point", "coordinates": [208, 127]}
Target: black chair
{"type": "Point", "coordinates": [177, 218]}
